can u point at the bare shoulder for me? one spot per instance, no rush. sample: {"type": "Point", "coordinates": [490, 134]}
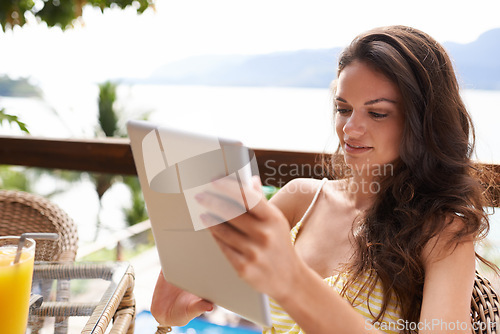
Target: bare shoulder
{"type": "Point", "coordinates": [449, 266]}
{"type": "Point", "coordinates": [294, 198]}
{"type": "Point", "coordinates": [446, 243]}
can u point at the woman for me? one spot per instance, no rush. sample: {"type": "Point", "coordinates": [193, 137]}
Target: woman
{"type": "Point", "coordinates": [389, 245]}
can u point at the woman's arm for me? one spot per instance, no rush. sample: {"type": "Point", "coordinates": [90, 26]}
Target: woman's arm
{"type": "Point", "coordinates": [258, 246]}
{"type": "Point", "coordinates": [449, 279]}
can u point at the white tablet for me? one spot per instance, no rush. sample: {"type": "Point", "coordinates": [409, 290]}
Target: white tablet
{"type": "Point", "coordinates": [173, 166]}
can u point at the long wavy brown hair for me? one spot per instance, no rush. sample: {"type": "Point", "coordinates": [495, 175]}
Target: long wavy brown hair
{"type": "Point", "coordinates": [433, 180]}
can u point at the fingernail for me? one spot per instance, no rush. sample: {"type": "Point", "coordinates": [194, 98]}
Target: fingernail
{"type": "Point", "coordinates": [199, 197]}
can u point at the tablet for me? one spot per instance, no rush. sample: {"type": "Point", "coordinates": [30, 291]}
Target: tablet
{"type": "Point", "coordinates": [173, 165]}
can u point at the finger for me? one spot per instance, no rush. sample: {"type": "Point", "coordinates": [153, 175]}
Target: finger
{"type": "Point", "coordinates": [228, 186]}
{"type": "Point", "coordinates": [246, 193]}
{"type": "Point", "coordinates": [230, 236]}
{"type": "Point", "coordinates": [233, 255]}
{"type": "Point", "coordinates": [199, 307]}
{"type": "Point", "coordinates": [254, 196]}
{"type": "Point", "coordinates": [252, 192]}
{"type": "Point", "coordinates": [235, 231]}
{"type": "Point", "coordinates": [246, 225]}
{"type": "Point", "coordinates": [256, 182]}
{"type": "Point", "coordinates": [219, 206]}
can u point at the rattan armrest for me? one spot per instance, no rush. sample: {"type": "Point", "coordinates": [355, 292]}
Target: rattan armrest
{"type": "Point", "coordinates": [70, 271]}
{"type": "Point", "coordinates": [64, 309]}
{"type": "Point", "coordinates": [121, 307]}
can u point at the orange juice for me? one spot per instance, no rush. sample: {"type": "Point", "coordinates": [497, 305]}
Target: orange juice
{"type": "Point", "coordinates": [15, 285]}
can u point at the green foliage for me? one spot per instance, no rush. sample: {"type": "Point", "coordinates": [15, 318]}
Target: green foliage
{"type": "Point", "coordinates": [14, 179]}
{"type": "Point", "coordinates": [109, 124]}
{"type": "Point", "coordinates": [60, 13]}
{"type": "Point", "coordinates": [136, 213]}
{"type": "Point", "coordinates": [12, 119]}
{"type": "Point", "coordinates": [108, 118]}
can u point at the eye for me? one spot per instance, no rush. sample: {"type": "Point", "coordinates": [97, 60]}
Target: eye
{"type": "Point", "coordinates": [343, 110]}
{"type": "Point", "coordinates": [377, 115]}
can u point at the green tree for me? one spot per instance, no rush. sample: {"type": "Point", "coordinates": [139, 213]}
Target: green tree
{"type": "Point", "coordinates": [62, 13]}
{"type": "Point", "coordinates": [108, 118]}
{"type": "Point", "coordinates": [109, 126]}
{"type": "Point", "coordinates": [137, 211]}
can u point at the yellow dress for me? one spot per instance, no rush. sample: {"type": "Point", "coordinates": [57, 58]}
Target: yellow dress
{"type": "Point", "coordinates": [391, 322]}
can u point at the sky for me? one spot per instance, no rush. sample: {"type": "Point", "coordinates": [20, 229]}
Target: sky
{"type": "Point", "coordinates": [120, 43]}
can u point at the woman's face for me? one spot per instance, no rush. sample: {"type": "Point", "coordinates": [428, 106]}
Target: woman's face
{"type": "Point", "coordinates": [369, 117]}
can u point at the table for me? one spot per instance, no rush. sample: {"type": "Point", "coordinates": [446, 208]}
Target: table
{"type": "Point", "coordinates": [83, 298]}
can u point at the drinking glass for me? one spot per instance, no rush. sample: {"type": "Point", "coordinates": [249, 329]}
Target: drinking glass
{"type": "Point", "coordinates": [15, 284]}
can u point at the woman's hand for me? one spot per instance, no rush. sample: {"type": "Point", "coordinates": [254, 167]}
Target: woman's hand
{"type": "Point", "coordinates": [257, 243]}
{"type": "Point", "coordinates": [172, 306]}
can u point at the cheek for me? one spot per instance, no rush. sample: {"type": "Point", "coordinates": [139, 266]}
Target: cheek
{"type": "Point", "coordinates": [394, 140]}
{"type": "Point", "coordinates": [339, 126]}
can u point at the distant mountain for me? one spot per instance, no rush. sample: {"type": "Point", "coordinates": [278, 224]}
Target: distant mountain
{"type": "Point", "coordinates": [304, 68]}
{"type": "Point", "coordinates": [477, 63]}
{"type": "Point", "coordinates": [18, 87]}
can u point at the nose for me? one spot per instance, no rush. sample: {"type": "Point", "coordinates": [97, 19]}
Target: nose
{"type": "Point", "coordinates": [355, 125]}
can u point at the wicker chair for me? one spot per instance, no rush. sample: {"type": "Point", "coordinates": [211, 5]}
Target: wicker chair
{"type": "Point", "coordinates": [484, 306]}
{"type": "Point", "coordinates": [22, 212]}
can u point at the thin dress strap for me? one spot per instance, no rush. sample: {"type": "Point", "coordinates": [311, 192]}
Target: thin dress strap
{"type": "Point", "coordinates": [295, 230]}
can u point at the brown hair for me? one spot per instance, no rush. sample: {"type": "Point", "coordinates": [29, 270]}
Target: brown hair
{"type": "Point", "coordinates": [433, 180]}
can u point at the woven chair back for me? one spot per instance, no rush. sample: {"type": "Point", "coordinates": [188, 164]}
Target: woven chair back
{"type": "Point", "coordinates": [22, 212]}
{"type": "Point", "coordinates": [484, 306]}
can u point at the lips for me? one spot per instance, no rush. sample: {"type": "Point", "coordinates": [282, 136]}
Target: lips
{"type": "Point", "coordinates": [354, 147]}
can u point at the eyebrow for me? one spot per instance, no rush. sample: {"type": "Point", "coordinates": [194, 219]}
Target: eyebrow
{"type": "Point", "coordinates": [368, 103]}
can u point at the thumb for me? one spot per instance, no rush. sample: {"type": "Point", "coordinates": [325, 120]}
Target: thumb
{"type": "Point", "coordinates": [201, 306]}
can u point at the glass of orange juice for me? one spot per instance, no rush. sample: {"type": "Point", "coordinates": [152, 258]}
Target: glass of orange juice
{"type": "Point", "coordinates": [15, 284]}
